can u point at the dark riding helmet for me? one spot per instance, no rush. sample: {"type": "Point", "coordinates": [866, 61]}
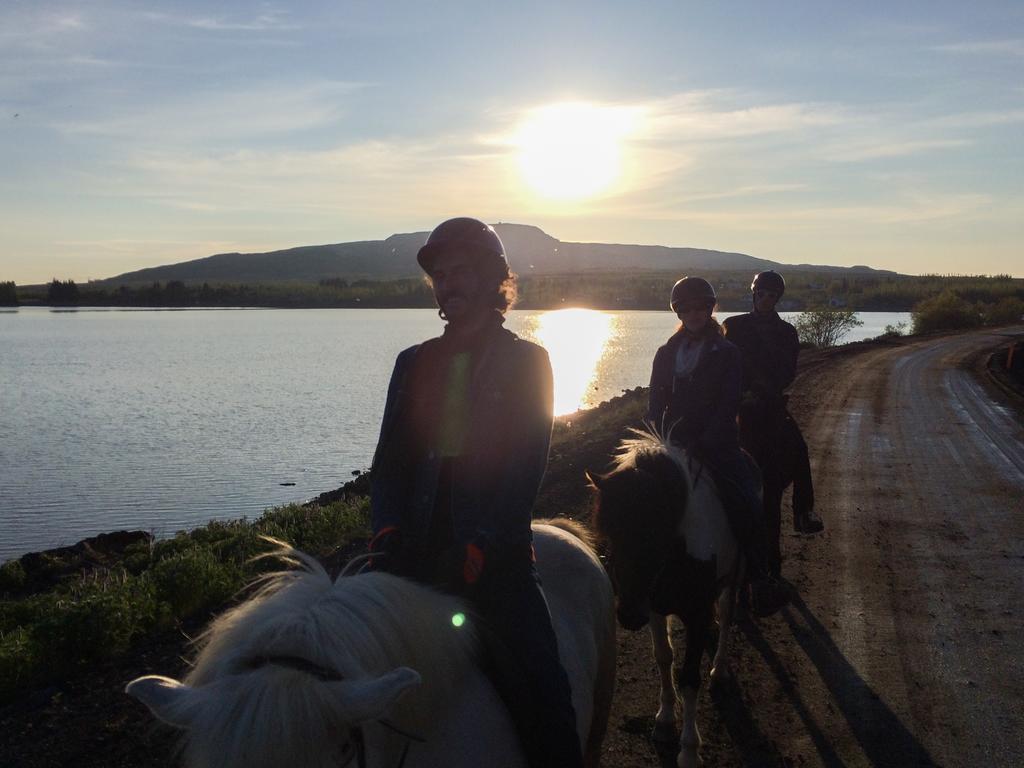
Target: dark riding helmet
{"type": "Point", "coordinates": [690, 292]}
{"type": "Point", "coordinates": [465, 233]}
{"type": "Point", "coordinates": [769, 280]}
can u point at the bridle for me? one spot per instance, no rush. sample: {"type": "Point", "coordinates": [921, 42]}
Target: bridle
{"type": "Point", "coordinates": [355, 733]}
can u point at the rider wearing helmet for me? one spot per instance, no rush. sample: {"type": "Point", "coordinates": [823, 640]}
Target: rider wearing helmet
{"type": "Point", "coordinates": [770, 348]}
{"type": "Point", "coordinates": [462, 450]}
{"type": "Point", "coordinates": [694, 396]}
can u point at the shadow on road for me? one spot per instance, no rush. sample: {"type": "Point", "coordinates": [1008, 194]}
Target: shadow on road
{"type": "Point", "coordinates": [885, 740]}
{"type": "Point", "coordinates": [756, 750]}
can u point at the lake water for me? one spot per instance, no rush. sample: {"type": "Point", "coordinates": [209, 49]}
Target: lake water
{"type": "Point", "coordinates": [163, 420]}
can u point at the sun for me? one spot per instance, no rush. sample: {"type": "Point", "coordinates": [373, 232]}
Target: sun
{"type": "Point", "coordinates": [572, 151]}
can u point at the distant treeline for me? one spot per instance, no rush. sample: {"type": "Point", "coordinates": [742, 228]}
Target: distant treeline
{"type": "Point", "coordinates": [618, 290]}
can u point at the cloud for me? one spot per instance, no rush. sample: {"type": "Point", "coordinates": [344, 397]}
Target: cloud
{"type": "Point", "coordinates": [903, 209]}
{"type": "Point", "coordinates": [862, 150]}
{"type": "Point", "coordinates": [696, 117]}
{"type": "Point", "coordinates": [380, 177]}
{"type": "Point", "coordinates": [212, 115]}
{"type": "Point", "coordinates": [980, 119]}
{"type": "Point", "coordinates": [270, 20]}
{"type": "Point", "coordinates": [30, 28]}
{"type": "Point", "coordinates": [984, 48]}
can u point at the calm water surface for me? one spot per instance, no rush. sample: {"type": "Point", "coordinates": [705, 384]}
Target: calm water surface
{"type": "Point", "coordinates": [163, 420]}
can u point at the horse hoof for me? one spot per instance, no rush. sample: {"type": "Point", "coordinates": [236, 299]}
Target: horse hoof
{"type": "Point", "coordinates": [719, 676]}
{"type": "Point", "coordinates": [664, 733]}
{"type": "Point", "coordinates": [689, 758]}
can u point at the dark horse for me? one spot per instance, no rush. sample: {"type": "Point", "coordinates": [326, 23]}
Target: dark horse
{"type": "Point", "coordinates": [671, 553]}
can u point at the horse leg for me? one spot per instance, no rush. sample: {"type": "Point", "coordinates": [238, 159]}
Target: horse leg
{"type": "Point", "coordinates": [773, 490]}
{"type": "Point", "coordinates": [689, 685]}
{"type": "Point", "coordinates": [720, 671]}
{"type": "Point", "coordinates": [665, 720]}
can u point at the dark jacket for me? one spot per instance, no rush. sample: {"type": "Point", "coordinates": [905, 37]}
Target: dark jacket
{"type": "Point", "coordinates": [701, 407]}
{"type": "Point", "coordinates": [494, 481]}
{"type": "Point", "coordinates": [770, 347]}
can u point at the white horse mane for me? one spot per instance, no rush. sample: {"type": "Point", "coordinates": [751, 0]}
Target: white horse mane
{"type": "Point", "coordinates": [360, 627]}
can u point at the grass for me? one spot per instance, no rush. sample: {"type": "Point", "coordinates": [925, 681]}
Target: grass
{"type": "Point", "coordinates": [100, 615]}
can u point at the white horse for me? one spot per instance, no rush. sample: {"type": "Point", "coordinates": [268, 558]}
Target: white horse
{"type": "Point", "coordinates": [671, 553]}
{"type": "Point", "coordinates": [378, 671]}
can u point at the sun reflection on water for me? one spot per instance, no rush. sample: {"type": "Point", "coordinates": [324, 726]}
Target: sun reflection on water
{"type": "Point", "coordinates": [576, 341]}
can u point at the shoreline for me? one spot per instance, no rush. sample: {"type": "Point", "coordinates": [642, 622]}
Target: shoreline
{"type": "Point", "coordinates": [98, 547]}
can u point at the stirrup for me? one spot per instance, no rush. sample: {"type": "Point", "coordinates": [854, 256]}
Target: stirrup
{"type": "Point", "coordinates": [809, 522]}
{"type": "Point", "coordinates": [767, 596]}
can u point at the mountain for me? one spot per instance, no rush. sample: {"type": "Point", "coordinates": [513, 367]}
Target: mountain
{"type": "Point", "coordinates": [530, 251]}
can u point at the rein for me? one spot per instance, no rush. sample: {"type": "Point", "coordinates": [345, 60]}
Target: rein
{"type": "Point", "coordinates": [356, 735]}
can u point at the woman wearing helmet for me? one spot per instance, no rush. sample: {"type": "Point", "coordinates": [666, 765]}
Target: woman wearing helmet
{"type": "Point", "coordinates": [695, 390]}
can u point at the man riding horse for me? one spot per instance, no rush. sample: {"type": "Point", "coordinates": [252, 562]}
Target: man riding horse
{"type": "Point", "coordinates": [463, 447]}
{"type": "Point", "coordinates": [770, 348]}
{"type": "Point", "coordinates": [695, 394]}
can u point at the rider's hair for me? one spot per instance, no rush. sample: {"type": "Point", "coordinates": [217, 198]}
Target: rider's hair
{"type": "Point", "coordinates": [712, 329]}
{"type": "Point", "coordinates": [506, 290]}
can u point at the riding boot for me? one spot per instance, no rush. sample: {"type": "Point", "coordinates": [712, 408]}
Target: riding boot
{"type": "Point", "coordinates": [804, 518]}
{"type": "Point", "coordinates": [807, 522]}
{"type": "Point", "coordinates": [539, 696]}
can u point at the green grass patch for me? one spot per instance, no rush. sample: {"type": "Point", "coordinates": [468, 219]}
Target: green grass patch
{"type": "Point", "coordinates": [47, 636]}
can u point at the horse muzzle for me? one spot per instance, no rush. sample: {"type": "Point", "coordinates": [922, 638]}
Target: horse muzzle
{"type": "Point", "coordinates": [633, 618]}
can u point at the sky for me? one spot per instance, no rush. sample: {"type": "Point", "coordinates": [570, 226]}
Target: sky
{"type": "Point", "coordinates": [134, 134]}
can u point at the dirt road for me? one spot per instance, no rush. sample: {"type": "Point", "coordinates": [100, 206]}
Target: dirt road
{"type": "Point", "coordinates": [904, 647]}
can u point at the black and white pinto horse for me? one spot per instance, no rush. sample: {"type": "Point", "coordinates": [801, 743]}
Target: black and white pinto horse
{"type": "Point", "coordinates": [376, 671]}
{"type": "Point", "coordinates": [671, 553]}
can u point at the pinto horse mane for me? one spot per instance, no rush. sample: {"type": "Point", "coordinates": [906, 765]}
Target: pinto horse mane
{"type": "Point", "coordinates": [645, 450]}
{"type": "Point", "coordinates": [356, 627]}
{"type": "Point", "coordinates": [647, 490]}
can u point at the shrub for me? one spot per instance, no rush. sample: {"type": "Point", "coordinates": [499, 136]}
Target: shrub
{"type": "Point", "coordinates": [945, 312]}
{"type": "Point", "coordinates": [46, 636]}
{"type": "Point", "coordinates": [895, 330]}
{"type": "Point", "coordinates": [194, 580]}
{"type": "Point", "coordinates": [21, 613]}
{"type": "Point", "coordinates": [317, 529]}
{"type": "Point", "coordinates": [825, 327]}
{"type": "Point", "coordinates": [1006, 311]}
{"type": "Point", "coordinates": [98, 619]}
{"type": "Point", "coordinates": [12, 576]}
{"type": "Point", "coordinates": [17, 662]}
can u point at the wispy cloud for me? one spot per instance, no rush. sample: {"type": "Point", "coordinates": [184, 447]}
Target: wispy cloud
{"type": "Point", "coordinates": [980, 119]}
{"type": "Point", "coordinates": [702, 116]}
{"type": "Point", "coordinates": [901, 209]}
{"type": "Point", "coordinates": [984, 47]}
{"type": "Point", "coordinates": [861, 150]}
{"type": "Point", "coordinates": [211, 115]}
{"type": "Point", "coordinates": [269, 20]}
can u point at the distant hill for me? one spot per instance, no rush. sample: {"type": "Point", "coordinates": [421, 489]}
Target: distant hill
{"type": "Point", "coordinates": [530, 251]}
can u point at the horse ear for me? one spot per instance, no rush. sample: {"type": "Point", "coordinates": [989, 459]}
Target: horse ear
{"type": "Point", "coordinates": [170, 701]}
{"type": "Point", "coordinates": [594, 479]}
{"type": "Point", "coordinates": [362, 700]}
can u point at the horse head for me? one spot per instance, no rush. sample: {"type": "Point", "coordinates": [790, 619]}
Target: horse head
{"type": "Point", "coordinates": [638, 514]}
{"type": "Point", "coordinates": [297, 674]}
{"type": "Point", "coordinates": [325, 714]}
